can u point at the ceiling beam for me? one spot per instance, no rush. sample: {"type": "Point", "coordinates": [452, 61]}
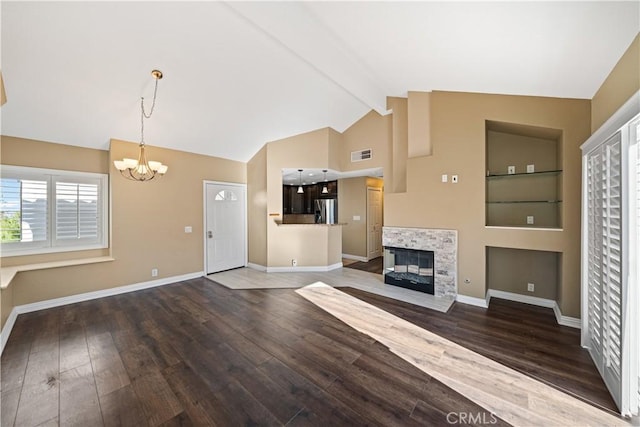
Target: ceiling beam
{"type": "Point", "coordinates": [294, 26]}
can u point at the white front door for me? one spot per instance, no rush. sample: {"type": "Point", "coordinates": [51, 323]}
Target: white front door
{"type": "Point", "coordinates": [225, 225]}
{"type": "Point", "coordinates": [374, 222]}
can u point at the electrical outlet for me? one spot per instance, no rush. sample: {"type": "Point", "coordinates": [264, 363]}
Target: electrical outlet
{"type": "Point", "coordinates": [154, 272]}
{"type": "Point", "coordinates": [531, 287]}
{"type": "Point", "coordinates": [356, 217]}
{"type": "Point", "coordinates": [531, 168]}
{"type": "Point", "coordinates": [445, 178]}
{"type": "Point", "coordinates": [529, 219]}
{"type": "Point", "coordinates": [511, 170]}
{"type": "Point", "coordinates": [454, 179]}
{"type": "Point", "coordinates": [188, 229]}
{"type": "Point", "coordinates": [294, 262]}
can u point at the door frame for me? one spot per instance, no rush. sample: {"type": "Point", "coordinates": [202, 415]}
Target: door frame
{"type": "Point", "coordinates": [204, 220]}
{"type": "Point", "coordinates": [381, 218]}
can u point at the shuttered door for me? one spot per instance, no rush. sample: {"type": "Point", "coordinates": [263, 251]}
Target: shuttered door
{"type": "Point", "coordinates": [604, 180]}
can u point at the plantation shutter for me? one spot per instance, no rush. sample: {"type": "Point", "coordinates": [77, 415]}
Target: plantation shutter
{"type": "Point", "coordinates": [605, 263]}
{"type": "Point", "coordinates": [77, 211]}
{"type": "Point", "coordinates": [611, 250]}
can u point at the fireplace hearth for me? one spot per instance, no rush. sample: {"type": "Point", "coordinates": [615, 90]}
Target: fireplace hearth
{"type": "Point", "coordinates": [409, 268]}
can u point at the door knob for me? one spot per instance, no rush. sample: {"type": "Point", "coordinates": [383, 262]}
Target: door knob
{"type": "Point", "coordinates": [210, 234]}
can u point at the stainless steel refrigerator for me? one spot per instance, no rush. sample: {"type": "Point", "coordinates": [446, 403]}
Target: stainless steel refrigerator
{"type": "Point", "coordinates": [326, 211]}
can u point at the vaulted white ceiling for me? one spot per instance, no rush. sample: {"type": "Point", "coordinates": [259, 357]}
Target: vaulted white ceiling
{"type": "Point", "coordinates": [240, 74]}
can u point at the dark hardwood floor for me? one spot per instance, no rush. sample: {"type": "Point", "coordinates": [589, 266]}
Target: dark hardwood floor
{"type": "Point", "coordinates": [372, 266]}
{"type": "Point", "coordinates": [197, 353]}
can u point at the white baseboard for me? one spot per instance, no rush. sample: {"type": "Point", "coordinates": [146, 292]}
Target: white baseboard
{"type": "Point", "coordinates": [355, 257]}
{"type": "Point", "coordinates": [478, 302]}
{"type": "Point", "coordinates": [527, 299]}
{"type": "Point", "coordinates": [305, 269]}
{"type": "Point", "coordinates": [6, 330]}
{"type": "Point", "coordinates": [257, 266]}
{"type": "Point", "coordinates": [572, 322]}
{"type": "Point", "coordinates": [72, 299]}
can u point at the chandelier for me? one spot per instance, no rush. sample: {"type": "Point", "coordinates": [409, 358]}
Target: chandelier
{"type": "Point", "coordinates": [142, 169]}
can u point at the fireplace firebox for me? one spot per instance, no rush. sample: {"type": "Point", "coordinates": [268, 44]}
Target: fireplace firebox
{"type": "Point", "coordinates": [409, 268]}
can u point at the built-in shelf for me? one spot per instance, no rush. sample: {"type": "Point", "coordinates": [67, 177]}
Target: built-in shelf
{"type": "Point", "coordinates": [523, 199]}
{"type": "Point", "coordinates": [513, 175]}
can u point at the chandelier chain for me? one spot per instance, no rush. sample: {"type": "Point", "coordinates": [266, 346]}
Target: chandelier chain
{"type": "Point", "coordinates": [144, 115]}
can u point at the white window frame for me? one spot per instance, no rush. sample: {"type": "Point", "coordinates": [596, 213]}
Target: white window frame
{"type": "Point", "coordinates": [51, 245]}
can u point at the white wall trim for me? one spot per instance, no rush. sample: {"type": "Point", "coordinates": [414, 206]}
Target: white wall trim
{"type": "Point", "coordinates": [478, 302]}
{"type": "Point", "coordinates": [72, 299]}
{"type": "Point", "coordinates": [355, 257]}
{"type": "Point", "coordinates": [6, 330]}
{"type": "Point", "coordinates": [571, 322]}
{"type": "Point", "coordinates": [527, 299]}
{"type": "Point", "coordinates": [257, 266]}
{"type": "Point", "coordinates": [306, 269]}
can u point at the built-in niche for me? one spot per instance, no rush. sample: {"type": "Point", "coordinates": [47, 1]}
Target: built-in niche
{"type": "Point", "coordinates": [524, 272]}
{"type": "Point", "coordinates": [523, 176]}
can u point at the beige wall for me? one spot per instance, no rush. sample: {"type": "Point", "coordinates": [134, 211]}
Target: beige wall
{"type": "Point", "coordinates": [147, 222]}
{"type": "Point", "coordinates": [371, 131]}
{"type": "Point", "coordinates": [308, 244]}
{"type": "Point", "coordinates": [257, 215]}
{"type": "Point", "coordinates": [458, 140]}
{"type": "Point", "coordinates": [352, 201]}
{"type": "Point", "coordinates": [319, 149]}
{"type": "Point", "coordinates": [419, 127]}
{"type": "Point", "coordinates": [6, 305]}
{"type": "Point", "coordinates": [399, 145]}
{"type": "Point", "coordinates": [510, 270]}
{"type": "Point", "coordinates": [619, 86]}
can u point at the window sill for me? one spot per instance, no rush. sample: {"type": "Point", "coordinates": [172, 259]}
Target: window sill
{"type": "Point", "coordinates": [8, 273]}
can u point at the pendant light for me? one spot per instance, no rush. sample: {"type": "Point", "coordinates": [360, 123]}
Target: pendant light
{"type": "Point", "coordinates": [143, 169]}
{"type": "Point", "coordinates": [300, 189]}
{"type": "Point", "coordinates": [325, 190]}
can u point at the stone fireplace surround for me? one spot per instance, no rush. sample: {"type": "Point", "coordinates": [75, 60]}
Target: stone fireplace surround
{"type": "Point", "coordinates": [443, 243]}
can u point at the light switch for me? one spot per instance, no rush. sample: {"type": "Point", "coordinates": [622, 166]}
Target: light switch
{"type": "Point", "coordinates": [445, 178]}
{"type": "Point", "coordinates": [454, 179]}
{"type": "Point", "coordinates": [356, 217]}
{"type": "Point", "coordinates": [188, 229]}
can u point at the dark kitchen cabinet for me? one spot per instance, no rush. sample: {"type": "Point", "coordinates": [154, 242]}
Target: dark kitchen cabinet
{"type": "Point", "coordinates": [294, 203]}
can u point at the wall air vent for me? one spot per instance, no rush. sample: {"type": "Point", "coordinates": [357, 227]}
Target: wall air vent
{"type": "Point", "coordinates": [358, 156]}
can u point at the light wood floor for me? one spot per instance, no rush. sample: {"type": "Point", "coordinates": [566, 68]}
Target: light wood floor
{"type": "Point", "coordinates": [507, 394]}
{"type": "Point", "coordinates": [248, 278]}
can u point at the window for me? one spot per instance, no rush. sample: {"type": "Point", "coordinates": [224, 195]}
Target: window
{"type": "Point", "coordinates": [45, 210]}
{"type": "Point", "coordinates": [226, 195]}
